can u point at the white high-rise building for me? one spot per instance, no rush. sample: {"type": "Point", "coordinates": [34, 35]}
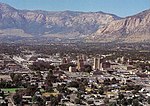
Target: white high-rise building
{"type": "Point", "coordinates": [98, 63]}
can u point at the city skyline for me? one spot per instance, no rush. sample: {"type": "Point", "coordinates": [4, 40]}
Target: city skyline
{"type": "Point", "coordinates": [118, 7]}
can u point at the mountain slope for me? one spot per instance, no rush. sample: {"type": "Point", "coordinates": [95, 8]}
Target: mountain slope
{"type": "Point", "coordinates": [130, 29]}
{"type": "Point", "coordinates": [51, 24]}
{"type": "Point", "coordinates": [92, 26]}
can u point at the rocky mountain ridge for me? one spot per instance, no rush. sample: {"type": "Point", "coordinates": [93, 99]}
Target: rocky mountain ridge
{"type": "Point", "coordinates": [51, 24]}
{"type": "Point", "coordinates": [129, 30]}
{"type": "Point", "coordinates": [91, 26]}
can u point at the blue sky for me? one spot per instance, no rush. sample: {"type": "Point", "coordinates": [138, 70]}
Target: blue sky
{"type": "Point", "coordinates": [121, 8]}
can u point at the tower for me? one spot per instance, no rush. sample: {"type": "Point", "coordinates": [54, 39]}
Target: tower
{"type": "Point", "coordinates": [100, 60]}
{"type": "Point", "coordinates": [80, 63]}
{"type": "Point", "coordinates": [95, 66]}
{"type": "Point", "coordinates": [98, 63]}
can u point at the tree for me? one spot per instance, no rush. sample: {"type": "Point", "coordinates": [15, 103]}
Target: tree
{"type": "Point", "coordinates": [124, 102]}
{"type": "Point", "coordinates": [40, 101]}
{"type": "Point", "coordinates": [2, 94]}
{"type": "Point", "coordinates": [88, 68]}
{"type": "Point", "coordinates": [41, 65]}
{"type": "Point", "coordinates": [49, 80]}
{"type": "Point", "coordinates": [101, 91]}
{"type": "Point", "coordinates": [148, 100]}
{"type": "Point", "coordinates": [31, 89]}
{"type": "Point", "coordinates": [114, 81]}
{"type": "Point", "coordinates": [50, 77]}
{"type": "Point", "coordinates": [17, 79]}
{"type": "Point", "coordinates": [39, 75]}
{"type": "Point", "coordinates": [73, 84]}
{"type": "Point", "coordinates": [134, 92]}
{"type": "Point", "coordinates": [81, 87]}
{"type": "Point", "coordinates": [66, 66]}
{"type": "Point", "coordinates": [113, 104]}
{"type": "Point", "coordinates": [61, 88]}
{"type": "Point", "coordinates": [106, 100]}
{"type": "Point", "coordinates": [63, 104]}
{"type": "Point", "coordinates": [78, 101]}
{"type": "Point", "coordinates": [120, 96]}
{"type": "Point", "coordinates": [135, 102]}
{"type": "Point", "coordinates": [137, 87]}
{"type": "Point", "coordinates": [85, 81]}
{"type": "Point", "coordinates": [107, 81]}
{"type": "Point", "coordinates": [54, 100]}
{"type": "Point", "coordinates": [129, 101]}
{"type": "Point", "coordinates": [12, 75]}
{"type": "Point", "coordinates": [17, 98]}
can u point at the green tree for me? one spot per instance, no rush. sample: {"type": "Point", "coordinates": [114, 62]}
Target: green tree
{"type": "Point", "coordinates": [78, 101]}
{"type": "Point", "coordinates": [124, 102]}
{"type": "Point", "coordinates": [129, 101]}
{"type": "Point", "coordinates": [106, 101]}
{"type": "Point", "coordinates": [148, 100]}
{"type": "Point", "coordinates": [113, 81]}
{"type": "Point", "coordinates": [113, 104]}
{"type": "Point", "coordinates": [40, 101]}
{"type": "Point", "coordinates": [107, 81]}
{"type": "Point", "coordinates": [73, 84]}
{"type": "Point", "coordinates": [2, 94]}
{"type": "Point", "coordinates": [31, 89]}
{"type": "Point", "coordinates": [120, 96]}
{"type": "Point", "coordinates": [101, 91]}
{"type": "Point", "coordinates": [17, 80]}
{"type": "Point", "coordinates": [61, 88]}
{"type": "Point", "coordinates": [17, 98]}
{"type": "Point", "coordinates": [81, 87]}
{"type": "Point", "coordinates": [135, 102]}
{"type": "Point", "coordinates": [12, 75]}
{"type": "Point", "coordinates": [54, 100]}
{"type": "Point", "coordinates": [88, 68]}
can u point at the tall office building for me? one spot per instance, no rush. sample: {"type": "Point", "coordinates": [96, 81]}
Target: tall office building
{"type": "Point", "coordinates": [80, 63]}
{"type": "Point", "coordinates": [98, 63]}
{"type": "Point", "coordinates": [100, 60]}
{"type": "Point", "coordinates": [95, 65]}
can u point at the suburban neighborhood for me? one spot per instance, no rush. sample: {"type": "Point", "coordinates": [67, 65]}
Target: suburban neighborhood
{"type": "Point", "coordinates": [73, 80]}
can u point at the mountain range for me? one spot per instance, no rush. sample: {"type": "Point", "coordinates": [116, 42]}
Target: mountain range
{"type": "Point", "coordinates": [90, 26]}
